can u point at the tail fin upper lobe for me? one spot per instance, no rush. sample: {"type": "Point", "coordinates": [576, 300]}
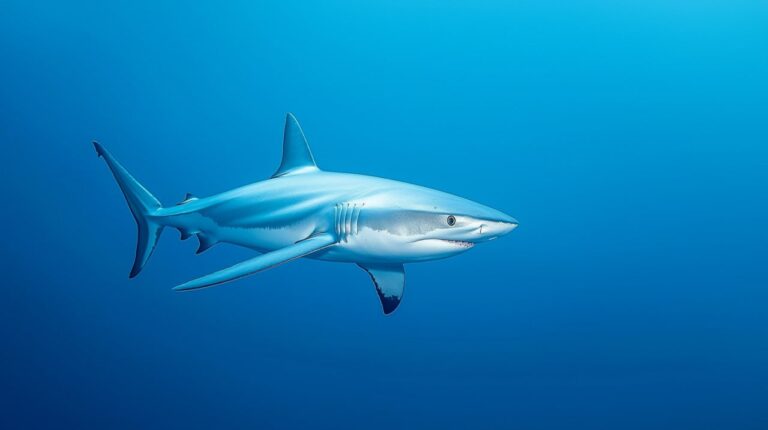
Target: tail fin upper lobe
{"type": "Point", "coordinates": [143, 205]}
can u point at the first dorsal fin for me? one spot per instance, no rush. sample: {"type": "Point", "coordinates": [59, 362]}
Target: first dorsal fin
{"type": "Point", "coordinates": [297, 157]}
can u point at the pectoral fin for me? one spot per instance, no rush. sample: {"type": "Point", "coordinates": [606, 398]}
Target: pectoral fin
{"type": "Point", "coordinates": [389, 280]}
{"type": "Point", "coordinates": [262, 262]}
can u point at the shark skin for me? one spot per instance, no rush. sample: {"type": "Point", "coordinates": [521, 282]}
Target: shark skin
{"type": "Point", "coordinates": [302, 211]}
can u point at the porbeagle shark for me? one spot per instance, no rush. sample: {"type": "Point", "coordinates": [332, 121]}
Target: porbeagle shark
{"type": "Point", "coordinates": [302, 211]}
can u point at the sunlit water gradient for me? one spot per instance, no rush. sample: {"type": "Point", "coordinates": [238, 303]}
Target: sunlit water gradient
{"type": "Point", "coordinates": [628, 138]}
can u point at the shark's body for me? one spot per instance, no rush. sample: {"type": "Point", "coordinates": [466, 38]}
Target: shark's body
{"type": "Point", "coordinates": [303, 211]}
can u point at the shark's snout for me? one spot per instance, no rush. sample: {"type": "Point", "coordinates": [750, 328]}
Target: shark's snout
{"type": "Point", "coordinates": [490, 230]}
{"type": "Point", "coordinates": [507, 227]}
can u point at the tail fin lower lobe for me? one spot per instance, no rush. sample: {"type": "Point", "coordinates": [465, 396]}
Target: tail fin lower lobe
{"type": "Point", "coordinates": [143, 205]}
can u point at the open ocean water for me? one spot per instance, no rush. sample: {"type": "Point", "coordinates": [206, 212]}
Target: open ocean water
{"type": "Point", "coordinates": [630, 139]}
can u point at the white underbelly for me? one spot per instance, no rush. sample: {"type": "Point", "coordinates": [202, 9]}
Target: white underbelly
{"type": "Point", "coordinates": [379, 246]}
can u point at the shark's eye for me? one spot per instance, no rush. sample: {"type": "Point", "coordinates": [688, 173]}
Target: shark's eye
{"type": "Point", "coordinates": [451, 220]}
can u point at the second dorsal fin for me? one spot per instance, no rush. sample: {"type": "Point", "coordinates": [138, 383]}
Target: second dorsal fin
{"type": "Point", "coordinates": [187, 198]}
{"type": "Point", "coordinates": [297, 157]}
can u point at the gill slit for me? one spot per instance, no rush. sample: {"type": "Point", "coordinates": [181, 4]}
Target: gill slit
{"type": "Point", "coordinates": [336, 220]}
{"type": "Point", "coordinates": [340, 221]}
{"type": "Point", "coordinates": [346, 217]}
{"type": "Point", "coordinates": [356, 218]}
{"type": "Point", "coordinates": [348, 222]}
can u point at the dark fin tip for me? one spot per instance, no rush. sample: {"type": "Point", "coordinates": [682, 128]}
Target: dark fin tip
{"type": "Point", "coordinates": [205, 243]}
{"type": "Point", "coordinates": [99, 148]}
{"type": "Point", "coordinates": [389, 304]}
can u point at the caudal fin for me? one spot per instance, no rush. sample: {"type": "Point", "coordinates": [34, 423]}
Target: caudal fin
{"type": "Point", "coordinates": [143, 205]}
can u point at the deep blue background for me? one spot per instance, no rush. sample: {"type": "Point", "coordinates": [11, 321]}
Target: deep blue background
{"type": "Point", "coordinates": [629, 138]}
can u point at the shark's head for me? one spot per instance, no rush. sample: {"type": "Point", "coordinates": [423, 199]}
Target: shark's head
{"type": "Point", "coordinates": [425, 224]}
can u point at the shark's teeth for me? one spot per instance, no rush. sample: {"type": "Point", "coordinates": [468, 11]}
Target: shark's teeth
{"type": "Point", "coordinates": [460, 243]}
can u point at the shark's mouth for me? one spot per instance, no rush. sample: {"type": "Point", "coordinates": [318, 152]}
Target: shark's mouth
{"type": "Point", "coordinates": [443, 243]}
{"type": "Point", "coordinates": [459, 243]}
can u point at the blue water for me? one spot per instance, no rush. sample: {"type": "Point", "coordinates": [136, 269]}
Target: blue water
{"type": "Point", "coordinates": [628, 138]}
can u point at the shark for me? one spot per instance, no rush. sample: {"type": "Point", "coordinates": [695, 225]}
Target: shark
{"type": "Point", "coordinates": [302, 211]}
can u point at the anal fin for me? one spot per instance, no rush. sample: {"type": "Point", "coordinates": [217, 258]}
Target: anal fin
{"type": "Point", "coordinates": [205, 242]}
{"type": "Point", "coordinates": [185, 234]}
